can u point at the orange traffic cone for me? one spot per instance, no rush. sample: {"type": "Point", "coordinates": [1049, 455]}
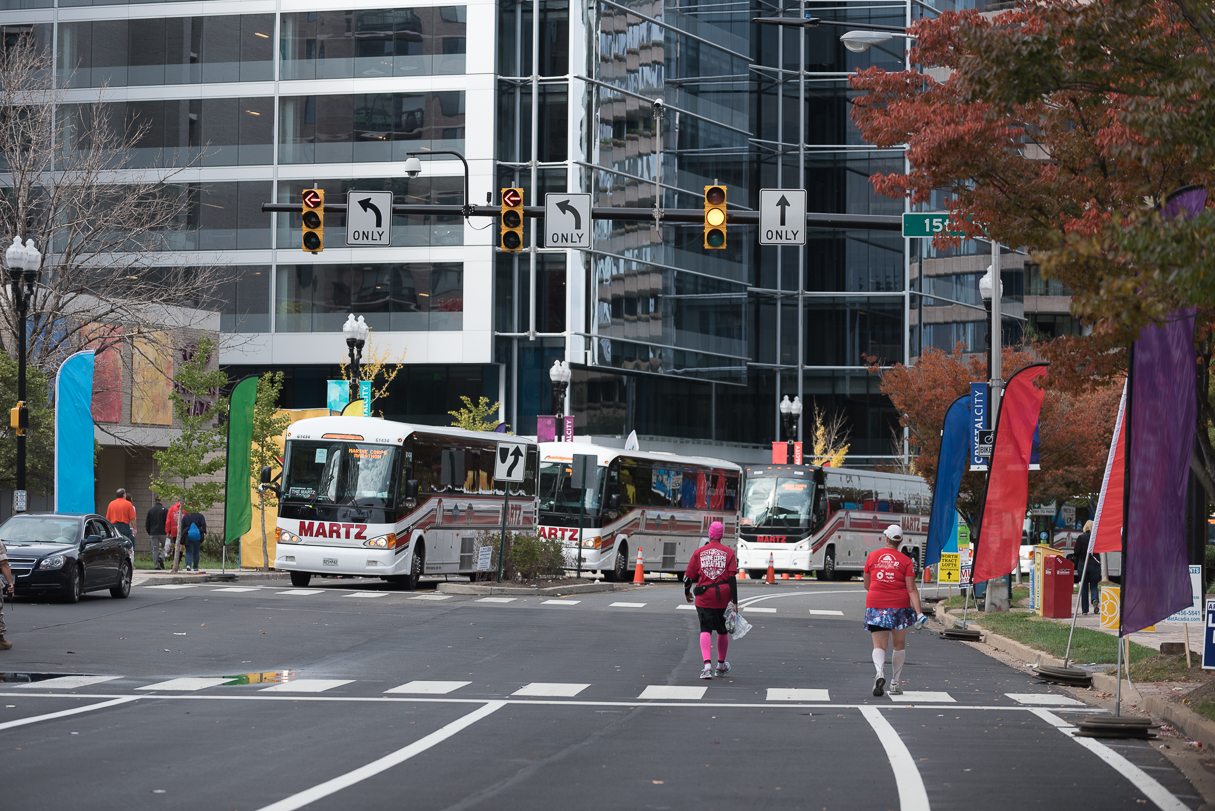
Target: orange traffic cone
{"type": "Point", "coordinates": [798, 577]}
{"type": "Point", "coordinates": [771, 578]}
{"type": "Point", "coordinates": [742, 574]}
{"type": "Point", "coordinates": [639, 572]}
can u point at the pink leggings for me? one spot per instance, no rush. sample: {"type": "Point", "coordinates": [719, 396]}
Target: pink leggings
{"type": "Point", "coordinates": [723, 643]}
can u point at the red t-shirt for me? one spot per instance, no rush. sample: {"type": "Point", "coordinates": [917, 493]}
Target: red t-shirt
{"type": "Point", "coordinates": [711, 564]}
{"type": "Point", "coordinates": [888, 572]}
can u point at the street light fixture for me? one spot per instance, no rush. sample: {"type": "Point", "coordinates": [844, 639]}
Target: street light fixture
{"type": "Point", "coordinates": [560, 375]}
{"type": "Point", "coordinates": [790, 413]}
{"type": "Point", "coordinates": [413, 168]}
{"type": "Point", "coordinates": [24, 263]}
{"type": "Point", "coordinates": [356, 339]}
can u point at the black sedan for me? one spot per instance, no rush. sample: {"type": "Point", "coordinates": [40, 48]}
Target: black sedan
{"type": "Point", "coordinates": [68, 554]}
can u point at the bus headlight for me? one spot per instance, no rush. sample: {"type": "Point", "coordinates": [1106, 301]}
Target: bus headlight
{"type": "Point", "coordinates": [383, 542]}
{"type": "Point", "coordinates": [286, 537]}
{"type": "Point", "coordinates": [593, 543]}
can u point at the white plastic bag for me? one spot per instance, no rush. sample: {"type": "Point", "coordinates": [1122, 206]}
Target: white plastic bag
{"type": "Point", "coordinates": [735, 624]}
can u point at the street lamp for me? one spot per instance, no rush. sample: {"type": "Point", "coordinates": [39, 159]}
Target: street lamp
{"type": "Point", "coordinates": [356, 338]}
{"type": "Point", "coordinates": [413, 168]}
{"type": "Point", "coordinates": [790, 413]}
{"type": "Point", "coordinates": [560, 375]}
{"type": "Point", "coordinates": [987, 285]}
{"type": "Point", "coordinates": [24, 262]}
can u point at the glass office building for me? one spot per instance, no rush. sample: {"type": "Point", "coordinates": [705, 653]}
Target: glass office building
{"type": "Point", "coordinates": [665, 338]}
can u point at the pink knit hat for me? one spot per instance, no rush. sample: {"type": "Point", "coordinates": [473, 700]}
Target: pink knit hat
{"type": "Point", "coordinates": [716, 530]}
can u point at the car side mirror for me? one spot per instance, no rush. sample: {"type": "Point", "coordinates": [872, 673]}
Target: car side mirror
{"type": "Point", "coordinates": [266, 474]}
{"type": "Point", "coordinates": [92, 540]}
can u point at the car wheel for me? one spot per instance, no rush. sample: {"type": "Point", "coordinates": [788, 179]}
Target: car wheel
{"type": "Point", "coordinates": [300, 579]}
{"type": "Point", "coordinates": [75, 586]}
{"type": "Point", "coordinates": [123, 589]}
{"type": "Point", "coordinates": [416, 564]}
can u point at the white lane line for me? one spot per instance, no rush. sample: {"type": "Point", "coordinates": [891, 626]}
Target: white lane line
{"type": "Point", "coordinates": [175, 586]}
{"type": "Point", "coordinates": [66, 682]}
{"type": "Point", "coordinates": [667, 691]}
{"type": "Point", "coordinates": [627, 605]}
{"type": "Point", "coordinates": [236, 588]}
{"type": "Point", "coordinates": [924, 697]}
{"type": "Point", "coordinates": [748, 609]}
{"type": "Point", "coordinates": [826, 612]}
{"type": "Point", "coordinates": [305, 686]}
{"type": "Point", "coordinates": [433, 688]}
{"type": "Point", "coordinates": [63, 713]}
{"type": "Point", "coordinates": [368, 594]}
{"type": "Point", "coordinates": [912, 795]}
{"type": "Point", "coordinates": [550, 689]}
{"type": "Point", "coordinates": [385, 763]}
{"type": "Point", "coordinates": [811, 593]}
{"type": "Point", "coordinates": [1052, 699]}
{"type": "Point", "coordinates": [432, 597]}
{"type": "Point", "coordinates": [301, 592]}
{"type": "Point", "coordinates": [689, 607]}
{"type": "Point", "coordinates": [1140, 779]}
{"type": "Point", "coordinates": [797, 694]}
{"type": "Point", "coordinates": [560, 602]}
{"type": "Point", "coordinates": [188, 684]}
{"type": "Point", "coordinates": [496, 600]}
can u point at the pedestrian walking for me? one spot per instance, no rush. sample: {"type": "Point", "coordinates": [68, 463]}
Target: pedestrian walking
{"type": "Point", "coordinates": [1090, 577]}
{"type": "Point", "coordinates": [891, 594]}
{"type": "Point", "coordinates": [194, 529]}
{"type": "Point", "coordinates": [712, 576]}
{"type": "Point", "coordinates": [9, 589]}
{"type": "Point", "coordinates": [171, 521]}
{"type": "Point", "coordinates": [154, 523]}
{"type": "Point", "coordinates": [121, 513]}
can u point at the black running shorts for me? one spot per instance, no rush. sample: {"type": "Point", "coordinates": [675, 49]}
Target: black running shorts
{"type": "Point", "coordinates": [712, 620]}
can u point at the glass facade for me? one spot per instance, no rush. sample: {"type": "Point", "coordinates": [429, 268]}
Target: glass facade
{"type": "Point", "coordinates": [400, 297]}
{"type": "Point", "coordinates": [373, 42]}
{"type": "Point", "coordinates": [368, 127]}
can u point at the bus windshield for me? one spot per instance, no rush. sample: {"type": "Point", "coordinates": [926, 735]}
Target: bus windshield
{"type": "Point", "coordinates": [339, 472]}
{"type": "Point", "coordinates": [776, 502]}
{"type": "Point", "coordinates": [558, 493]}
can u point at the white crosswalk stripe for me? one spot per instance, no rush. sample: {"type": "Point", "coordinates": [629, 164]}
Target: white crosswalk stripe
{"type": "Point", "coordinates": [497, 599]}
{"type": "Point", "coordinates": [749, 610]}
{"type": "Point", "coordinates": [176, 586]}
{"type": "Point", "coordinates": [1044, 699]}
{"type": "Point", "coordinates": [432, 597]}
{"type": "Point", "coordinates": [306, 686]}
{"type": "Point", "coordinates": [67, 682]}
{"type": "Point", "coordinates": [627, 605]}
{"type": "Point", "coordinates": [826, 613]}
{"type": "Point", "coordinates": [540, 688]}
{"type": "Point", "coordinates": [686, 607]}
{"type": "Point", "coordinates": [670, 691]}
{"type": "Point", "coordinates": [797, 694]}
{"type": "Point", "coordinates": [924, 697]}
{"type": "Point", "coordinates": [368, 594]}
{"type": "Point", "coordinates": [433, 688]}
{"type": "Point", "coordinates": [235, 588]}
{"type": "Point", "coordinates": [301, 592]}
{"type": "Point", "coordinates": [560, 602]}
{"type": "Point", "coordinates": [188, 685]}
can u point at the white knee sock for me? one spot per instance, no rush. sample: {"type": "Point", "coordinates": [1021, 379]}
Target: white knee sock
{"type": "Point", "coordinates": [879, 660]}
{"type": "Point", "coordinates": [896, 663]}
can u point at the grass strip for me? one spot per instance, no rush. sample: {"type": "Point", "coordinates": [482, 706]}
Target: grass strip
{"type": "Point", "coordinates": [1088, 646]}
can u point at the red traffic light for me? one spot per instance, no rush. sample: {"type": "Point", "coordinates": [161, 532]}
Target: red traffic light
{"type": "Point", "coordinates": [511, 197]}
{"type": "Point", "coordinates": [312, 199]}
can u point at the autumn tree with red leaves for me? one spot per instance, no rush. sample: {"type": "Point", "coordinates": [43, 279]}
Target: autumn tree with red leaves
{"type": "Point", "coordinates": [1059, 127]}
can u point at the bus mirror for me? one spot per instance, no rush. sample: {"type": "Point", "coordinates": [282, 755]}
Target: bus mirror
{"type": "Point", "coordinates": [266, 478]}
{"type": "Point", "coordinates": [614, 502]}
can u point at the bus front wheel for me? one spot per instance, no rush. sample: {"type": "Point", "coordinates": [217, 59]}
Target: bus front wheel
{"type": "Point", "coordinates": [828, 573]}
{"type": "Point", "coordinates": [619, 571]}
{"type": "Point", "coordinates": [414, 578]}
{"type": "Point", "coordinates": [300, 579]}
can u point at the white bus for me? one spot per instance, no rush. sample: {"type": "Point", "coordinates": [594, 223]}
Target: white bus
{"type": "Point", "coordinates": [827, 520]}
{"type": "Point", "coordinates": [375, 498]}
{"type": "Point", "coordinates": [657, 502]}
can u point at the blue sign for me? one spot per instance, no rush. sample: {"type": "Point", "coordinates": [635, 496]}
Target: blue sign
{"type": "Point", "coordinates": [1208, 638]}
{"type": "Point", "coordinates": [978, 422]}
{"type": "Point", "coordinates": [365, 393]}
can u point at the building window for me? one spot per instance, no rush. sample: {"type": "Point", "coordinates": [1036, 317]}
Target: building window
{"type": "Point", "coordinates": [223, 216]}
{"type": "Point", "coordinates": [373, 43]}
{"type": "Point", "coordinates": [366, 127]}
{"type": "Point", "coordinates": [244, 300]}
{"type": "Point", "coordinates": [398, 297]}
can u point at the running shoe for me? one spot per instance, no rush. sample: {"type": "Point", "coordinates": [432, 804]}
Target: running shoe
{"type": "Point", "coordinates": [896, 689]}
{"type": "Point", "coordinates": [723, 668]}
{"type": "Point", "coordinates": [707, 673]}
{"type": "Point", "coordinates": [878, 684]}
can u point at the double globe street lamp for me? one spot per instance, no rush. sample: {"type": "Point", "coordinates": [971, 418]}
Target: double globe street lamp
{"type": "Point", "coordinates": [356, 338]}
{"type": "Point", "coordinates": [24, 262]}
{"type": "Point", "coordinates": [790, 414]}
{"type": "Point", "coordinates": [560, 376]}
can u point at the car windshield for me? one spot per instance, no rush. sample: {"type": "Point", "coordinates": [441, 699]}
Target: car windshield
{"type": "Point", "coordinates": [40, 529]}
{"type": "Point", "coordinates": [339, 472]}
{"type": "Point", "coordinates": [778, 502]}
{"type": "Point", "coordinates": [557, 490]}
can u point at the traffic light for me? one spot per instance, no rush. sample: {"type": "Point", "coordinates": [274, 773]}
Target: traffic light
{"type": "Point", "coordinates": [715, 217]}
{"type": "Point", "coordinates": [314, 220]}
{"type": "Point", "coordinates": [511, 238]}
{"type": "Point", "coordinates": [19, 418]}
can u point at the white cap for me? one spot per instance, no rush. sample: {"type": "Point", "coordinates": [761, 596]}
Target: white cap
{"type": "Point", "coordinates": [894, 532]}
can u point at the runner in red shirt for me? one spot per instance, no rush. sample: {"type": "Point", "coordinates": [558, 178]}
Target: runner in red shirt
{"type": "Point", "coordinates": [891, 593]}
{"type": "Point", "coordinates": [712, 575]}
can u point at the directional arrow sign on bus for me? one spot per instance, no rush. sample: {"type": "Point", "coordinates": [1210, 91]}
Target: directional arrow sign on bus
{"type": "Point", "coordinates": [567, 220]}
{"type": "Point", "coordinates": [782, 216]}
{"type": "Point", "coordinates": [368, 218]}
{"type": "Point", "coordinates": [510, 462]}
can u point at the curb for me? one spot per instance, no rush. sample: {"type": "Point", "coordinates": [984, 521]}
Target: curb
{"type": "Point", "coordinates": [209, 577]}
{"type": "Point", "coordinates": [577, 588]}
{"type": "Point", "coordinates": [1178, 715]}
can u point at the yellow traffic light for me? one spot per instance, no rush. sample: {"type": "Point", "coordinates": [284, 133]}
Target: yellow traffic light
{"type": "Point", "coordinates": [511, 232]}
{"type": "Point", "coordinates": [715, 217]}
{"type": "Point", "coordinates": [18, 418]}
{"type": "Point", "coordinates": [314, 220]}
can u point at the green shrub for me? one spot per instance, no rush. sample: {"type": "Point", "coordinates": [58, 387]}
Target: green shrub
{"type": "Point", "coordinates": [527, 556]}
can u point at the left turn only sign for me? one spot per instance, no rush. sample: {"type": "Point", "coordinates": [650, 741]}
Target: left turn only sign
{"type": "Point", "coordinates": [368, 218]}
{"type": "Point", "coordinates": [567, 220]}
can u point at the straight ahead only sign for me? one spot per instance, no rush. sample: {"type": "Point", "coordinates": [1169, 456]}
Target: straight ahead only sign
{"type": "Point", "coordinates": [782, 216]}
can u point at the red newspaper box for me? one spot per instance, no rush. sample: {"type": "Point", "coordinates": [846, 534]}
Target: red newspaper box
{"type": "Point", "coordinates": [1057, 584]}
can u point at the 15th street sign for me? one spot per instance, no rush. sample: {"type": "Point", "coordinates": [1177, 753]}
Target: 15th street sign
{"type": "Point", "coordinates": [928, 224]}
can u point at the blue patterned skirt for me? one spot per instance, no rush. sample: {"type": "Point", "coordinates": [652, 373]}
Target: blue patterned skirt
{"type": "Point", "coordinates": [893, 619]}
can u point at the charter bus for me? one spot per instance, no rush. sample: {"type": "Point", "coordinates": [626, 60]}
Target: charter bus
{"type": "Point", "coordinates": [827, 520]}
{"type": "Point", "coordinates": [659, 503]}
{"type": "Point", "coordinates": [375, 498]}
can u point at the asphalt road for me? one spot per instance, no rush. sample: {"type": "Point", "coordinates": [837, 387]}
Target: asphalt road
{"type": "Point", "coordinates": [350, 696]}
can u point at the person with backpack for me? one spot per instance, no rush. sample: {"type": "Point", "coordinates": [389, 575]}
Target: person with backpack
{"type": "Point", "coordinates": [712, 577]}
{"type": "Point", "coordinates": [194, 529]}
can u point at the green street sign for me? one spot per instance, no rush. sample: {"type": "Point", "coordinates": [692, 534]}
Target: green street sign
{"type": "Point", "coordinates": [928, 224]}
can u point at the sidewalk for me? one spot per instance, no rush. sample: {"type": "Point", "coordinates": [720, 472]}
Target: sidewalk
{"type": "Point", "coordinates": [165, 577]}
{"type": "Point", "coordinates": [1165, 631]}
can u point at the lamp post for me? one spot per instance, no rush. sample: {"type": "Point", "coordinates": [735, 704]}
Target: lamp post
{"type": "Point", "coordinates": [23, 266]}
{"type": "Point", "coordinates": [790, 414]}
{"type": "Point", "coordinates": [560, 375]}
{"type": "Point", "coordinates": [413, 168]}
{"type": "Point", "coordinates": [991, 289]}
{"type": "Point", "coordinates": [356, 339]}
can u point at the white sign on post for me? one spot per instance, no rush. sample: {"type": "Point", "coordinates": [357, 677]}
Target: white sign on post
{"type": "Point", "coordinates": [485, 557]}
{"type": "Point", "coordinates": [1194, 612]}
{"type": "Point", "coordinates": [510, 462]}
{"type": "Point", "coordinates": [782, 216]}
{"type": "Point", "coordinates": [567, 220]}
{"type": "Point", "coordinates": [368, 218]}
